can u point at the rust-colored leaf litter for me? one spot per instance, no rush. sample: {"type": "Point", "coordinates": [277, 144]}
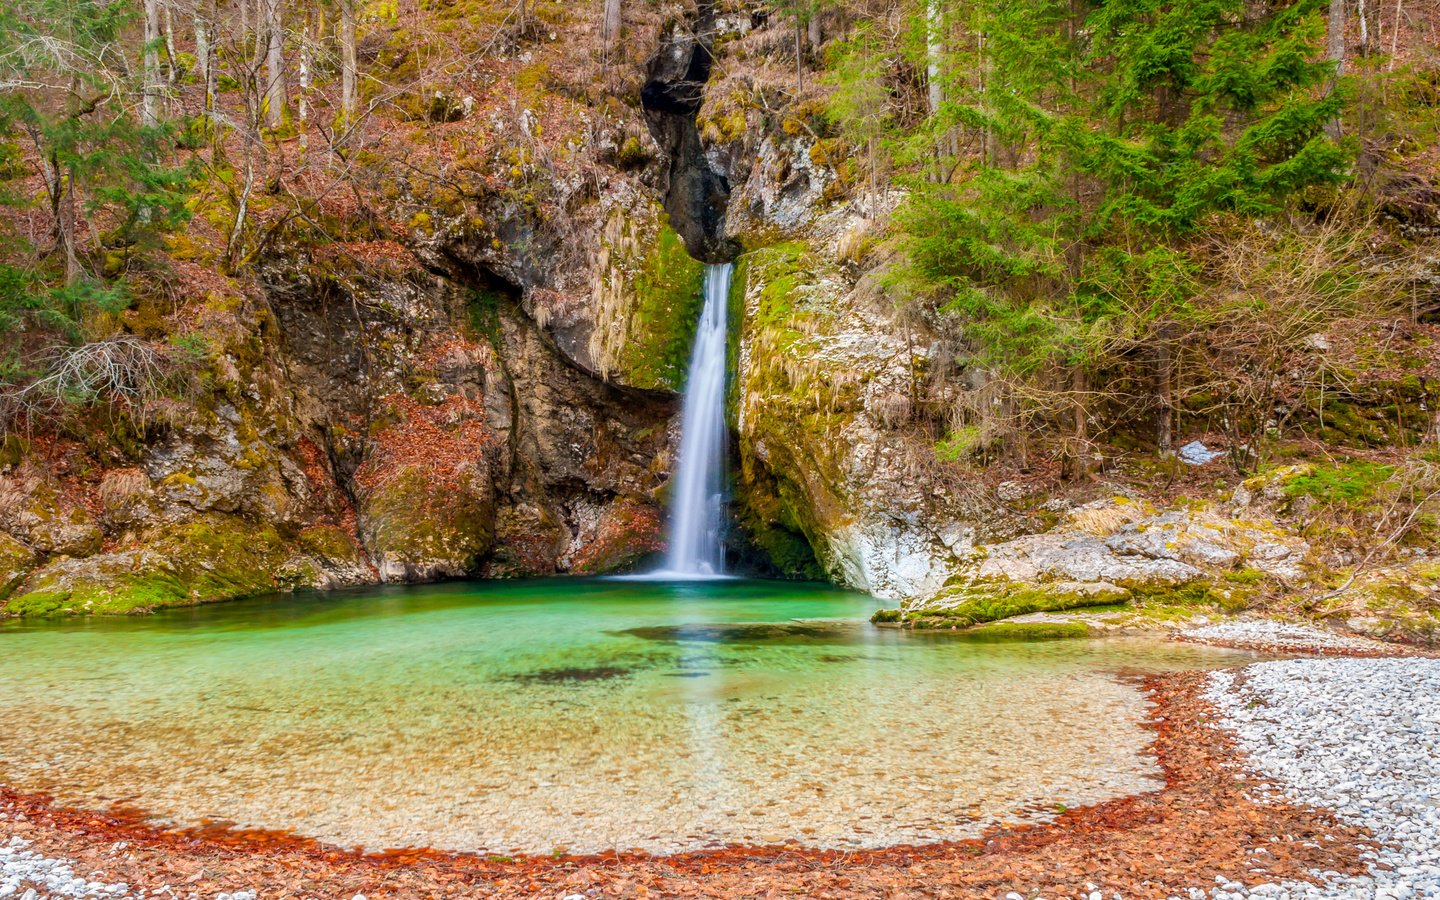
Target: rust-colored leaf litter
{"type": "Point", "coordinates": [1205, 822]}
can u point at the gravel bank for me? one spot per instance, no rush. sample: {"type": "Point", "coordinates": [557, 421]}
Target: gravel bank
{"type": "Point", "coordinates": [26, 875]}
{"type": "Point", "coordinates": [1264, 634]}
{"type": "Point", "coordinates": [1358, 737]}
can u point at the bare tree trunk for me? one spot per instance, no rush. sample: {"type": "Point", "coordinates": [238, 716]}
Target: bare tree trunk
{"type": "Point", "coordinates": [150, 65]}
{"type": "Point", "coordinates": [347, 63]}
{"type": "Point", "coordinates": [799, 53]}
{"type": "Point", "coordinates": [816, 27]}
{"type": "Point", "coordinates": [934, 48]}
{"type": "Point", "coordinates": [204, 36]}
{"type": "Point", "coordinates": [611, 22]}
{"type": "Point", "coordinates": [242, 208]}
{"type": "Point", "coordinates": [1165, 389]}
{"type": "Point", "coordinates": [1394, 37]}
{"type": "Point", "coordinates": [66, 219]}
{"type": "Point", "coordinates": [303, 116]}
{"type": "Point", "coordinates": [274, 64]}
{"type": "Point", "coordinates": [1080, 450]}
{"type": "Point", "coordinates": [1335, 43]}
{"type": "Point", "coordinates": [172, 59]}
{"type": "Point", "coordinates": [1364, 27]}
{"type": "Point", "coordinates": [1335, 52]}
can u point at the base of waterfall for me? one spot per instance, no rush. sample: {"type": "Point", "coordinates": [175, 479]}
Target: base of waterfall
{"type": "Point", "coordinates": [671, 575]}
{"type": "Point", "coordinates": [1280, 778]}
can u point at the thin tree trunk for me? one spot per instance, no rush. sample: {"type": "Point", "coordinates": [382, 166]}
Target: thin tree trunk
{"type": "Point", "coordinates": [305, 65]}
{"type": "Point", "coordinates": [1076, 458]}
{"type": "Point", "coordinates": [934, 48]}
{"type": "Point", "coordinates": [172, 59]}
{"type": "Point", "coordinates": [799, 53]}
{"type": "Point", "coordinates": [242, 208]}
{"type": "Point", "coordinates": [347, 63]}
{"type": "Point", "coordinates": [66, 219]}
{"type": "Point", "coordinates": [203, 37]}
{"type": "Point", "coordinates": [274, 64]}
{"type": "Point", "coordinates": [1165, 390]}
{"type": "Point", "coordinates": [1395, 37]}
{"type": "Point", "coordinates": [1335, 52]}
{"type": "Point", "coordinates": [611, 22]}
{"type": "Point", "coordinates": [150, 65]}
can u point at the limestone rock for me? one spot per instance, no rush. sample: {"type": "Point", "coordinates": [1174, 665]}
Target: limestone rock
{"type": "Point", "coordinates": [35, 510]}
{"type": "Point", "coordinates": [16, 561]}
{"type": "Point", "coordinates": [213, 558]}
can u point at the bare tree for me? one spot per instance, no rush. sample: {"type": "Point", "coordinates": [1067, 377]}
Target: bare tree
{"type": "Point", "coordinates": [150, 63]}
{"type": "Point", "coordinates": [347, 63]}
{"type": "Point", "coordinates": [306, 52]}
{"type": "Point", "coordinates": [1335, 52]}
{"type": "Point", "coordinates": [274, 35]}
{"type": "Point", "coordinates": [205, 62]}
{"type": "Point", "coordinates": [172, 59]}
{"type": "Point", "coordinates": [610, 25]}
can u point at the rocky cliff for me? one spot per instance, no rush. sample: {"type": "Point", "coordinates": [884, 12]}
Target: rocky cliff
{"type": "Point", "coordinates": [454, 350]}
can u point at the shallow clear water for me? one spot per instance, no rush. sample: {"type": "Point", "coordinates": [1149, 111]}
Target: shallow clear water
{"type": "Point", "coordinates": [583, 715]}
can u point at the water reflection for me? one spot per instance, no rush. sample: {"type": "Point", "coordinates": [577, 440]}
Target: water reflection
{"type": "Point", "coordinates": [582, 714]}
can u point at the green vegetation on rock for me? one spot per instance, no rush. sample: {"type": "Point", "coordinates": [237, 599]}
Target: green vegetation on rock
{"type": "Point", "coordinates": [209, 559]}
{"type": "Point", "coordinates": [668, 296]}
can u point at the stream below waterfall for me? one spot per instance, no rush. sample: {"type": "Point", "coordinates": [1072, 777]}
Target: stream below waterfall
{"type": "Point", "coordinates": [579, 714]}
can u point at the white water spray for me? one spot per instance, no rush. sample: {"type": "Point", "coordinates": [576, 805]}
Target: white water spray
{"type": "Point", "coordinates": [697, 506]}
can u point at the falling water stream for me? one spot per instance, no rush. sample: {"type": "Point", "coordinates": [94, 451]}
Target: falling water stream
{"type": "Point", "coordinates": [697, 506]}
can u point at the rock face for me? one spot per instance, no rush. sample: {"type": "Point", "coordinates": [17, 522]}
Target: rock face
{"type": "Point", "coordinates": [820, 378]}
{"type": "Point", "coordinates": [371, 422]}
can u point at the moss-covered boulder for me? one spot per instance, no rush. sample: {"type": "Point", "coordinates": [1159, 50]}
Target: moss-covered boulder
{"type": "Point", "coordinates": [417, 529]}
{"type": "Point", "coordinates": [16, 561]}
{"type": "Point", "coordinates": [209, 559]}
{"type": "Point", "coordinates": [975, 604]}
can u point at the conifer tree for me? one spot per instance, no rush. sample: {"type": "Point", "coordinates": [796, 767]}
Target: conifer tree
{"type": "Point", "coordinates": [1121, 127]}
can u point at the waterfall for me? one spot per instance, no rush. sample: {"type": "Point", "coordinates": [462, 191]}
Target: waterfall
{"type": "Point", "coordinates": [697, 505]}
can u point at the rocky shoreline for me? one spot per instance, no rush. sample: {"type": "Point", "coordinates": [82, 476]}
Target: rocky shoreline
{"type": "Point", "coordinates": [1290, 778]}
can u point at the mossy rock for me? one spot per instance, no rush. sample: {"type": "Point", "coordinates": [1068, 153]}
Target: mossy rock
{"type": "Point", "coordinates": [415, 530]}
{"type": "Point", "coordinates": [16, 561]}
{"type": "Point", "coordinates": [978, 604]}
{"type": "Point", "coordinates": [669, 293]}
{"type": "Point", "coordinates": [215, 558]}
{"type": "Point", "coordinates": [1028, 631]}
{"type": "Point", "coordinates": [49, 524]}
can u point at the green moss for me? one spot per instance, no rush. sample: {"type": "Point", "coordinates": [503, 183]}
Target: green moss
{"type": "Point", "coordinates": [217, 558]}
{"type": "Point", "coordinates": [774, 514]}
{"type": "Point", "coordinates": [1245, 576]}
{"type": "Point", "coordinates": [1350, 483]}
{"type": "Point", "coordinates": [990, 603]}
{"type": "Point", "coordinates": [1028, 631]}
{"type": "Point", "coordinates": [16, 561]}
{"type": "Point", "coordinates": [329, 543]}
{"type": "Point", "coordinates": [668, 298]}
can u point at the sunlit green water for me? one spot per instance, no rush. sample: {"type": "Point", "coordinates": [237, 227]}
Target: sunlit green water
{"type": "Point", "coordinates": [576, 714]}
